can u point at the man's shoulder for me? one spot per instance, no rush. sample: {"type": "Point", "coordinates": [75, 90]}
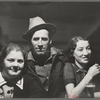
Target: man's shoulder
{"type": "Point", "coordinates": [60, 55]}
{"type": "Point", "coordinates": [55, 50]}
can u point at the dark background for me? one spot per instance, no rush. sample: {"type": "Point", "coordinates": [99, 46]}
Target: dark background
{"type": "Point", "coordinates": [70, 18]}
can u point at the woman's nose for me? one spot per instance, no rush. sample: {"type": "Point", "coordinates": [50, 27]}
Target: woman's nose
{"type": "Point", "coordinates": [85, 52]}
{"type": "Point", "coordinates": [15, 63]}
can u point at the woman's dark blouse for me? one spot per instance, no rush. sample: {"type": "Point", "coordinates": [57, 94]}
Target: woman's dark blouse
{"type": "Point", "coordinates": [72, 74]}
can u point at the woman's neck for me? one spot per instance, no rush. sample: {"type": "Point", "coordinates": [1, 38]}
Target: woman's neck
{"type": "Point", "coordinates": [8, 78]}
{"type": "Point", "coordinates": [81, 66]}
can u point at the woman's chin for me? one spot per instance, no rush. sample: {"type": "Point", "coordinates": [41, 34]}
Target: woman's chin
{"type": "Point", "coordinates": [14, 74]}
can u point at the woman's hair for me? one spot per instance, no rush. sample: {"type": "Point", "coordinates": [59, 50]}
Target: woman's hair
{"type": "Point", "coordinates": [72, 45]}
{"type": "Point", "coordinates": [7, 49]}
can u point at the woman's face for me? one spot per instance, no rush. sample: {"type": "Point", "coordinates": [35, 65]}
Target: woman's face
{"type": "Point", "coordinates": [13, 63]}
{"type": "Point", "coordinates": [82, 52]}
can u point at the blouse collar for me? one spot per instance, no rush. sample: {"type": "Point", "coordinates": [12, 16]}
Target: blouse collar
{"type": "Point", "coordinates": [19, 82]}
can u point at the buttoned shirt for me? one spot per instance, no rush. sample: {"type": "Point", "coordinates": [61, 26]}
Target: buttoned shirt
{"type": "Point", "coordinates": [79, 73]}
{"type": "Point", "coordinates": [43, 71]}
{"type": "Point", "coordinates": [73, 74]}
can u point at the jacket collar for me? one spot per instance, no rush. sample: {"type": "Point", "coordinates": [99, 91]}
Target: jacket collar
{"type": "Point", "coordinates": [19, 83]}
{"type": "Point", "coordinates": [53, 51]}
{"type": "Point", "coordinates": [81, 70]}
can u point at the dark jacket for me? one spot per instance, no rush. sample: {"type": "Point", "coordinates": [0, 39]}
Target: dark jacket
{"type": "Point", "coordinates": [56, 87]}
{"type": "Point", "coordinates": [26, 87]}
{"type": "Point", "coordinates": [31, 88]}
{"type": "Point", "coordinates": [56, 84]}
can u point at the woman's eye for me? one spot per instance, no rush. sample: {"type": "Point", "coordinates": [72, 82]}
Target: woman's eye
{"type": "Point", "coordinates": [11, 60]}
{"type": "Point", "coordinates": [88, 48]}
{"type": "Point", "coordinates": [80, 49]}
{"type": "Point", "coordinates": [35, 39]}
{"type": "Point", "coordinates": [20, 61]}
{"type": "Point", "coordinates": [44, 39]}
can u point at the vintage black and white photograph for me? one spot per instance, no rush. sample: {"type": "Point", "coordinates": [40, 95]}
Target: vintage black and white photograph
{"type": "Point", "coordinates": [49, 49]}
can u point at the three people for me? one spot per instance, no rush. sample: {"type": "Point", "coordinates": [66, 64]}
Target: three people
{"type": "Point", "coordinates": [47, 72]}
{"type": "Point", "coordinates": [75, 76]}
{"type": "Point", "coordinates": [14, 82]}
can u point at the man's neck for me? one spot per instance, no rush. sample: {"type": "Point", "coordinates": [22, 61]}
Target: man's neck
{"type": "Point", "coordinates": [41, 58]}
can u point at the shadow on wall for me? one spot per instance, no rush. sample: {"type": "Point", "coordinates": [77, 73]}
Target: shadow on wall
{"type": "Point", "coordinates": [95, 58]}
{"type": "Point", "coordinates": [95, 46]}
{"type": "Point", "coordinates": [0, 38]}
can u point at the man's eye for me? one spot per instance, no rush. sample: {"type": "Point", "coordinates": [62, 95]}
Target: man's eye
{"type": "Point", "coordinates": [20, 61]}
{"type": "Point", "coordinates": [11, 60]}
{"type": "Point", "coordinates": [35, 39]}
{"type": "Point", "coordinates": [44, 39]}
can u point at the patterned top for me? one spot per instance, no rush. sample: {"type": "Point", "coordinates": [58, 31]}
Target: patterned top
{"type": "Point", "coordinates": [6, 89]}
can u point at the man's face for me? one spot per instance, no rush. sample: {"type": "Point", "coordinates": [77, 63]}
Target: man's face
{"type": "Point", "coordinates": [82, 52]}
{"type": "Point", "coordinates": [40, 41]}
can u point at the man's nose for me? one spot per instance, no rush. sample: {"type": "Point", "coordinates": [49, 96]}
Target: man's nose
{"type": "Point", "coordinates": [40, 46]}
{"type": "Point", "coordinates": [40, 42]}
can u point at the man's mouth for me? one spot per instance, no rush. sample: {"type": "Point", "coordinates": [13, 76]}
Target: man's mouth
{"type": "Point", "coordinates": [40, 50]}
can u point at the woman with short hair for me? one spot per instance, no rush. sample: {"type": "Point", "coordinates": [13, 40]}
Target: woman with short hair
{"type": "Point", "coordinates": [76, 77]}
{"type": "Point", "coordinates": [14, 81]}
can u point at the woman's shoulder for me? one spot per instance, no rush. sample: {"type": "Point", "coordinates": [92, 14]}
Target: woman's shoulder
{"type": "Point", "coordinates": [69, 67]}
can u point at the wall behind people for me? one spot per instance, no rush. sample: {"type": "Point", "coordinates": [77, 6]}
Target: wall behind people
{"type": "Point", "coordinates": [70, 18]}
{"type": "Point", "coordinates": [95, 58]}
{"type": "Point", "coordinates": [0, 38]}
{"type": "Point", "coordinates": [95, 45]}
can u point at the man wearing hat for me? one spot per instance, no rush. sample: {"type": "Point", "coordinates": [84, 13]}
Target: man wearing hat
{"type": "Point", "coordinates": [48, 61]}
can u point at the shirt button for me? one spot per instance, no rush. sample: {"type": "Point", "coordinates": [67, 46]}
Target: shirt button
{"type": "Point", "coordinates": [46, 89]}
{"type": "Point", "coordinates": [8, 91]}
{"type": "Point", "coordinates": [47, 77]}
{"type": "Point", "coordinates": [44, 65]}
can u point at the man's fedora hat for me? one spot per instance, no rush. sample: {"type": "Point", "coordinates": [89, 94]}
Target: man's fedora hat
{"type": "Point", "coordinates": [37, 23]}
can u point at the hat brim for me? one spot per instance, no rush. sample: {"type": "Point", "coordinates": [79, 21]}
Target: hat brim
{"type": "Point", "coordinates": [49, 27]}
